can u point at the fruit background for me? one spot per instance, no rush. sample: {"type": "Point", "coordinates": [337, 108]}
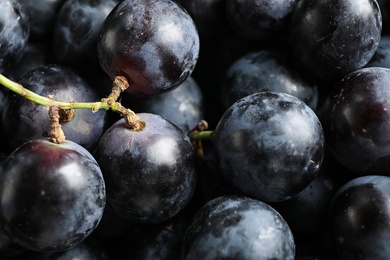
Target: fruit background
{"type": "Point", "coordinates": [194, 129]}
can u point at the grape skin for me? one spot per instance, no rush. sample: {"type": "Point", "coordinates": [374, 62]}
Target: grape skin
{"type": "Point", "coordinates": [236, 227]}
{"type": "Point", "coordinates": [150, 174]}
{"type": "Point", "coordinates": [51, 196]}
{"type": "Point", "coordinates": [155, 44]}
{"type": "Point", "coordinates": [356, 128]}
{"type": "Point", "coordinates": [269, 145]}
{"type": "Point", "coordinates": [358, 219]}
{"type": "Point", "coordinates": [332, 38]}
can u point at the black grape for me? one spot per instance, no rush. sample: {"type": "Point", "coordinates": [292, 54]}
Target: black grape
{"type": "Point", "coordinates": [359, 218]}
{"type": "Point", "coordinates": [259, 19]}
{"type": "Point", "coordinates": [23, 121]}
{"type": "Point", "coordinates": [51, 196]}
{"type": "Point", "coordinates": [356, 120]}
{"type": "Point", "coordinates": [266, 70]}
{"type": "Point", "coordinates": [14, 32]}
{"type": "Point", "coordinates": [150, 174]}
{"type": "Point", "coordinates": [233, 227]}
{"type": "Point", "coordinates": [269, 145]}
{"type": "Point", "coordinates": [155, 44]}
{"type": "Point", "coordinates": [76, 31]}
{"type": "Point", "coordinates": [332, 38]}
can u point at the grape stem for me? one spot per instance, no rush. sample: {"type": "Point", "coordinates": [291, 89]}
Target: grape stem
{"type": "Point", "coordinates": [120, 84]}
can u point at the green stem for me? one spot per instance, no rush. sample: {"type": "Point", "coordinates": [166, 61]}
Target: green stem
{"type": "Point", "coordinates": [203, 135]}
{"type": "Point", "coordinates": [45, 101]}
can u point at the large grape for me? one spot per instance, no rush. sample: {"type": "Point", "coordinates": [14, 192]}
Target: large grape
{"type": "Point", "coordinates": [269, 145]}
{"type": "Point", "coordinates": [233, 227]}
{"type": "Point", "coordinates": [155, 44]}
{"type": "Point", "coordinates": [51, 196]}
{"type": "Point", "coordinates": [150, 174]}
{"type": "Point", "coordinates": [356, 120]}
{"type": "Point", "coordinates": [359, 218]}
{"type": "Point", "coordinates": [331, 38]}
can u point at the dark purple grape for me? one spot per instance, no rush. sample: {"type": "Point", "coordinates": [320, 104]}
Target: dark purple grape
{"type": "Point", "coordinates": [14, 32]}
{"type": "Point", "coordinates": [230, 227]}
{"type": "Point", "coordinates": [331, 38]}
{"type": "Point", "coordinates": [76, 31]}
{"type": "Point", "coordinates": [150, 174]}
{"type": "Point", "coordinates": [23, 120]}
{"type": "Point", "coordinates": [42, 16]}
{"type": "Point", "coordinates": [259, 19]}
{"type": "Point", "coordinates": [154, 44]}
{"type": "Point", "coordinates": [51, 196]}
{"type": "Point", "coordinates": [359, 218]}
{"type": "Point", "coordinates": [266, 70]}
{"type": "Point", "coordinates": [269, 145]}
{"type": "Point", "coordinates": [356, 120]}
{"type": "Point", "coordinates": [183, 105]}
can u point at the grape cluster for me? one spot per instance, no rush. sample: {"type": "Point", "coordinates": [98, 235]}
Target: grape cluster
{"type": "Point", "coordinates": [236, 129]}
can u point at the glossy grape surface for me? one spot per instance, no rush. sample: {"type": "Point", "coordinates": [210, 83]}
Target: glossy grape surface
{"type": "Point", "coordinates": [150, 174]}
{"type": "Point", "coordinates": [332, 38]}
{"type": "Point", "coordinates": [359, 219]}
{"type": "Point", "coordinates": [356, 120]}
{"type": "Point", "coordinates": [51, 196]}
{"type": "Point", "coordinates": [155, 44]}
{"type": "Point", "coordinates": [269, 145]}
{"type": "Point", "coordinates": [230, 227]}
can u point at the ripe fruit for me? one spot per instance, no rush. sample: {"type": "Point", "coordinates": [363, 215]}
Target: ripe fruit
{"type": "Point", "coordinates": [332, 38]}
{"type": "Point", "coordinates": [359, 219]}
{"type": "Point", "coordinates": [356, 120]}
{"type": "Point", "coordinates": [150, 174]}
{"type": "Point", "coordinates": [51, 196]}
{"type": "Point", "coordinates": [154, 44]}
{"type": "Point", "coordinates": [231, 227]}
{"type": "Point", "coordinates": [269, 145]}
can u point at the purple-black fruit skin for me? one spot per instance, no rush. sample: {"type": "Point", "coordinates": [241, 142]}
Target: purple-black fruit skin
{"type": "Point", "coordinates": [236, 227]}
{"type": "Point", "coordinates": [358, 219]}
{"type": "Point", "coordinates": [155, 44]}
{"type": "Point", "coordinates": [356, 120]}
{"type": "Point", "coordinates": [333, 38]}
{"type": "Point", "coordinates": [52, 196]}
{"type": "Point", "coordinates": [269, 145]}
{"type": "Point", "coordinates": [150, 174]}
